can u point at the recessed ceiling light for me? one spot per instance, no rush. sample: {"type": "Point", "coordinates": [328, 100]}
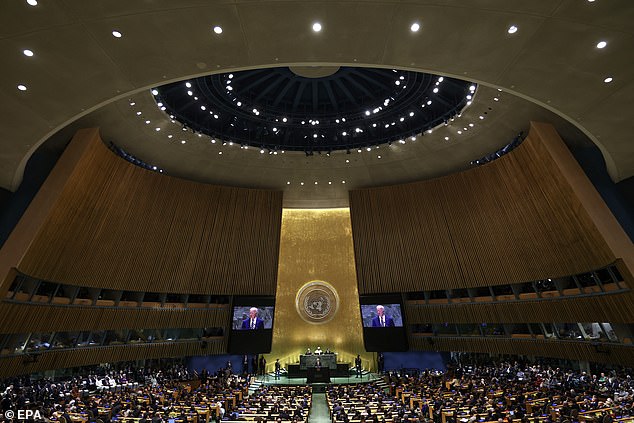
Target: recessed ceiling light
{"type": "Point", "coordinates": [218, 29]}
{"type": "Point", "coordinates": [315, 182]}
{"type": "Point", "coordinates": [139, 113]}
{"type": "Point", "coordinates": [496, 99]}
{"type": "Point", "coordinates": [600, 44]}
{"type": "Point", "coordinates": [329, 182]}
{"type": "Point", "coordinates": [155, 92]}
{"type": "Point", "coordinates": [220, 152]}
{"type": "Point", "coordinates": [22, 87]}
{"type": "Point", "coordinates": [147, 122]}
{"type": "Point", "coordinates": [183, 142]}
{"type": "Point", "coordinates": [28, 53]}
{"type": "Point", "coordinates": [301, 183]}
{"type": "Point", "coordinates": [415, 27]}
{"type": "Point", "coordinates": [347, 161]}
{"type": "Point", "coordinates": [170, 136]}
{"type": "Point", "coordinates": [316, 27]}
{"type": "Point", "coordinates": [32, 2]}
{"type": "Point", "coordinates": [378, 157]}
{"type": "Point", "coordinates": [512, 29]}
{"type": "Point", "coordinates": [288, 182]}
{"type": "Point", "coordinates": [608, 79]}
{"type": "Point", "coordinates": [117, 34]}
{"type": "Point", "coordinates": [435, 90]}
{"type": "Point", "coordinates": [343, 182]}
{"type": "Point", "coordinates": [446, 138]}
{"type": "Point", "coordinates": [157, 129]}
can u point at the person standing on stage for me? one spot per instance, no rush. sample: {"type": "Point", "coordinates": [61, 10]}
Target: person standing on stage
{"type": "Point", "coordinates": [357, 365]}
{"type": "Point", "coordinates": [278, 368]}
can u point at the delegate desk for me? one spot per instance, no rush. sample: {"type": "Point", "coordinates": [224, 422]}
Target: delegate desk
{"type": "Point", "coordinates": [327, 361]}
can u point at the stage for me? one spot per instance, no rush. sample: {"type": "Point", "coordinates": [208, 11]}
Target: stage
{"type": "Point", "coordinates": [269, 379]}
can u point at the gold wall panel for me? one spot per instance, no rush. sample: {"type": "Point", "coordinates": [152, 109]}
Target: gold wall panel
{"type": "Point", "coordinates": [316, 245]}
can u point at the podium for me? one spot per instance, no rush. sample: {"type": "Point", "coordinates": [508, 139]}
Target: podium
{"type": "Point", "coordinates": [327, 360]}
{"type": "Point", "coordinates": [318, 375]}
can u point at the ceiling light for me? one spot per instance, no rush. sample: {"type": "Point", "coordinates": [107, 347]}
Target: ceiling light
{"type": "Point", "coordinates": [315, 182]}
{"type": "Point", "coordinates": [301, 183]}
{"type": "Point", "coordinates": [378, 157]}
{"type": "Point", "coordinates": [329, 182]}
{"type": "Point", "coordinates": [347, 161]}
{"type": "Point", "coordinates": [157, 129]}
{"type": "Point", "coordinates": [411, 114]}
{"type": "Point", "coordinates": [170, 136]}
{"type": "Point", "coordinates": [512, 29]}
{"type": "Point", "coordinates": [441, 79]}
{"type": "Point", "coordinates": [155, 92]}
{"type": "Point", "coordinates": [316, 27]}
{"type": "Point", "coordinates": [459, 132]}
{"type": "Point", "coordinates": [188, 84]}
{"type": "Point", "coordinates": [183, 142]}
{"type": "Point", "coordinates": [22, 87]}
{"type": "Point", "coordinates": [397, 82]}
{"type": "Point", "coordinates": [218, 29]}
{"type": "Point", "coordinates": [220, 153]}
{"type": "Point", "coordinates": [132, 103]}
{"type": "Point", "coordinates": [203, 108]}
{"type": "Point", "coordinates": [600, 44]}
{"type": "Point", "coordinates": [29, 53]}
{"type": "Point", "coordinates": [446, 138]}
{"type": "Point", "coordinates": [147, 122]}
{"type": "Point", "coordinates": [471, 125]}
{"type": "Point", "coordinates": [117, 34]}
{"type": "Point", "coordinates": [32, 2]}
{"type": "Point", "coordinates": [435, 90]}
{"type": "Point", "coordinates": [496, 99]}
{"type": "Point", "coordinates": [288, 183]}
{"type": "Point", "coordinates": [284, 119]}
{"type": "Point", "coordinates": [608, 79]}
{"type": "Point", "coordinates": [262, 151]}
{"type": "Point", "coordinates": [343, 182]}
{"type": "Point", "coordinates": [472, 88]}
{"type": "Point", "coordinates": [138, 113]}
{"type": "Point", "coordinates": [367, 113]}
{"type": "Point", "coordinates": [415, 27]}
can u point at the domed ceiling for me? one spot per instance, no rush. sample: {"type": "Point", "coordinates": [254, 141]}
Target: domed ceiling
{"type": "Point", "coordinates": [321, 110]}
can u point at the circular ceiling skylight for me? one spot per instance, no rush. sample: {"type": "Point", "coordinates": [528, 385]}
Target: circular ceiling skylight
{"type": "Point", "coordinates": [279, 109]}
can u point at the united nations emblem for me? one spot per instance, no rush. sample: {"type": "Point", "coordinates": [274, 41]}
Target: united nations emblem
{"type": "Point", "coordinates": [317, 302]}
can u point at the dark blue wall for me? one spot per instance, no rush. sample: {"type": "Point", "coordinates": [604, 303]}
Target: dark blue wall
{"type": "Point", "coordinates": [13, 204]}
{"type": "Point", "coordinates": [416, 360]}
{"type": "Point", "coordinates": [619, 197]}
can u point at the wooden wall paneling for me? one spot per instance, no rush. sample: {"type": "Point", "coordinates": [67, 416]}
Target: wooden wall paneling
{"type": "Point", "coordinates": [571, 350]}
{"type": "Point", "coordinates": [119, 226]}
{"type": "Point", "coordinates": [25, 318]}
{"type": "Point", "coordinates": [512, 220]}
{"type": "Point", "coordinates": [13, 366]}
{"type": "Point", "coordinates": [613, 308]}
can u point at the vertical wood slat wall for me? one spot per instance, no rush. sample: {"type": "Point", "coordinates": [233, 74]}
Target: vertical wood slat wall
{"type": "Point", "coordinates": [17, 365]}
{"type": "Point", "coordinates": [571, 350]}
{"type": "Point", "coordinates": [119, 226]}
{"type": "Point", "coordinates": [512, 220]}
{"type": "Point", "coordinates": [29, 318]}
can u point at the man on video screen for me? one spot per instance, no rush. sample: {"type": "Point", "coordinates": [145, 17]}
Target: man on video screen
{"type": "Point", "coordinates": [382, 320]}
{"type": "Point", "coordinates": [253, 322]}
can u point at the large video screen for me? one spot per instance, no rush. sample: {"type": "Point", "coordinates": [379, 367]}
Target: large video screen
{"type": "Point", "coordinates": [252, 317]}
{"type": "Point", "coordinates": [381, 315]}
{"type": "Point", "coordinates": [383, 323]}
{"type": "Point", "coordinates": [251, 325]}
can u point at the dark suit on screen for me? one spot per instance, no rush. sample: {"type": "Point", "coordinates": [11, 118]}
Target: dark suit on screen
{"type": "Point", "coordinates": [259, 323]}
{"type": "Point", "coordinates": [389, 322]}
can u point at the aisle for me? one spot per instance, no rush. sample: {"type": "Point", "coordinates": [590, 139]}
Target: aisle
{"type": "Point", "coordinates": [319, 412]}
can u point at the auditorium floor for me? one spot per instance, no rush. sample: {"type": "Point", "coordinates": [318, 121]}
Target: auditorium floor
{"type": "Point", "coordinates": [319, 412]}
